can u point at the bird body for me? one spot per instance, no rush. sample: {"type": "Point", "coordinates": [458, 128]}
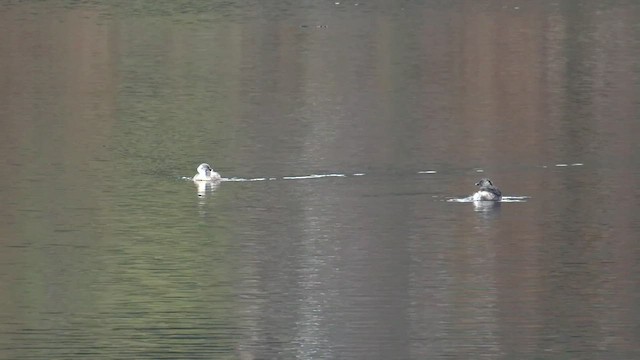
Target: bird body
{"type": "Point", "coordinates": [206, 173]}
{"type": "Point", "coordinates": [487, 191]}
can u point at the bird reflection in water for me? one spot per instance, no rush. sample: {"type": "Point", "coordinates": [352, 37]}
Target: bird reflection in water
{"type": "Point", "coordinates": [485, 206]}
{"type": "Point", "coordinates": [487, 210]}
{"type": "Point", "coordinates": [206, 187]}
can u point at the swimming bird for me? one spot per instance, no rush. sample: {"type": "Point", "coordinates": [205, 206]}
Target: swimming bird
{"type": "Point", "coordinates": [487, 191]}
{"type": "Point", "coordinates": [206, 173]}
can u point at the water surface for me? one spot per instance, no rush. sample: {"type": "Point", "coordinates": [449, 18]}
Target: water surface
{"type": "Point", "coordinates": [347, 128]}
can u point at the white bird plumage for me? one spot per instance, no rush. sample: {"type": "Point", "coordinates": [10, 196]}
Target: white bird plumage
{"type": "Point", "coordinates": [206, 173]}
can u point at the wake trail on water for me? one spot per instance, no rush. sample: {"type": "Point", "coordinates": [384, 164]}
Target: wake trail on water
{"type": "Point", "coordinates": [505, 199]}
{"type": "Point", "coordinates": [358, 174]}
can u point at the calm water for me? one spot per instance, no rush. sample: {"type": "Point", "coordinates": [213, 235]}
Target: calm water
{"type": "Point", "coordinates": [106, 252]}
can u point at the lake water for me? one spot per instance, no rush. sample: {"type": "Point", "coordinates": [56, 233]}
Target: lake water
{"type": "Point", "coordinates": [361, 126]}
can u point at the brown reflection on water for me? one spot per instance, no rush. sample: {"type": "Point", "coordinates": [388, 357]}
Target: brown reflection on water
{"type": "Point", "coordinates": [56, 105]}
{"type": "Point", "coordinates": [57, 99]}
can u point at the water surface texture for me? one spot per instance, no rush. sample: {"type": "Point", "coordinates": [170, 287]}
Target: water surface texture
{"type": "Point", "coordinates": [350, 134]}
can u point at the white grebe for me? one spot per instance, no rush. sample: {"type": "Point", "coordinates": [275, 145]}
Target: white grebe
{"type": "Point", "coordinates": [206, 173]}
